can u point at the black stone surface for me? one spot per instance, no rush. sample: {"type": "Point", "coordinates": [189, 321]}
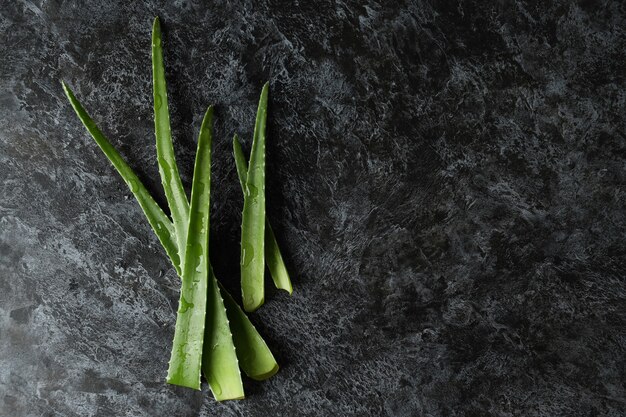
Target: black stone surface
{"type": "Point", "coordinates": [446, 180]}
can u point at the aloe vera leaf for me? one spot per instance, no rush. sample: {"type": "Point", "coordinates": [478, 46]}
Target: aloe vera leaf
{"type": "Point", "coordinates": [186, 358]}
{"type": "Point", "coordinates": [253, 216]}
{"type": "Point", "coordinates": [255, 358]}
{"type": "Point", "coordinates": [168, 170]}
{"type": "Point", "coordinates": [219, 358]}
{"type": "Point", "coordinates": [273, 257]}
{"type": "Point", "coordinates": [158, 220]}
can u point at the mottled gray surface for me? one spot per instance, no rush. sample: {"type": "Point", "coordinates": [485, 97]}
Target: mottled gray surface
{"type": "Point", "coordinates": [446, 180]}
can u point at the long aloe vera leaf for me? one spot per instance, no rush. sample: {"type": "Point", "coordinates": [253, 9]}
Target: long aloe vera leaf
{"type": "Point", "coordinates": [273, 257]}
{"type": "Point", "coordinates": [168, 170]}
{"type": "Point", "coordinates": [158, 220]}
{"type": "Point", "coordinates": [255, 358]}
{"type": "Point", "coordinates": [253, 216]}
{"type": "Point", "coordinates": [186, 358]}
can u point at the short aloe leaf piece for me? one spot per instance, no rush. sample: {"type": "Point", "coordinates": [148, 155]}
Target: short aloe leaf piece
{"type": "Point", "coordinates": [253, 216]}
{"type": "Point", "coordinates": [186, 358]}
{"type": "Point", "coordinates": [168, 170]}
{"type": "Point", "coordinates": [158, 220]}
{"type": "Point", "coordinates": [273, 257]}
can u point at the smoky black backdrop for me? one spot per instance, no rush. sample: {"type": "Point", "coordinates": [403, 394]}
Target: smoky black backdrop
{"type": "Point", "coordinates": [446, 180]}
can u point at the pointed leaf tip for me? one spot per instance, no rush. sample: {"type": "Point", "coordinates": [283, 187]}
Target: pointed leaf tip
{"type": "Point", "coordinates": [156, 28]}
{"type": "Point", "coordinates": [68, 91]}
{"type": "Point", "coordinates": [207, 120]}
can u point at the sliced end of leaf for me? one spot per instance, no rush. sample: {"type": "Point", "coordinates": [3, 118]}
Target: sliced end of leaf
{"type": "Point", "coordinates": [183, 381]}
{"type": "Point", "coordinates": [267, 375]}
{"type": "Point", "coordinates": [224, 398]}
{"type": "Point", "coordinates": [252, 305]}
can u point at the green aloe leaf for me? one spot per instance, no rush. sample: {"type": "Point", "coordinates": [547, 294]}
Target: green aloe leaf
{"type": "Point", "coordinates": [273, 257]}
{"type": "Point", "coordinates": [168, 170]}
{"type": "Point", "coordinates": [255, 358]}
{"type": "Point", "coordinates": [187, 349]}
{"type": "Point", "coordinates": [253, 216]}
{"type": "Point", "coordinates": [159, 221]}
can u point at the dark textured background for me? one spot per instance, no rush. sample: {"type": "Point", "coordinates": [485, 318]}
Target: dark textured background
{"type": "Point", "coordinates": [446, 180]}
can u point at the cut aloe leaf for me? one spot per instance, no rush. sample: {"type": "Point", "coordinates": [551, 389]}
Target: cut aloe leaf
{"type": "Point", "coordinates": [186, 358]}
{"type": "Point", "coordinates": [253, 216]}
{"type": "Point", "coordinates": [219, 359]}
{"type": "Point", "coordinates": [158, 220]}
{"type": "Point", "coordinates": [168, 170]}
{"type": "Point", "coordinates": [273, 257]}
{"type": "Point", "coordinates": [255, 358]}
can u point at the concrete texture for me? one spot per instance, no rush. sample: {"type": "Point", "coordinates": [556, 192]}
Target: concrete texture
{"type": "Point", "coordinates": [446, 180]}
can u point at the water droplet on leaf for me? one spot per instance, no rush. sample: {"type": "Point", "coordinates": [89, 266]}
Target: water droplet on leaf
{"type": "Point", "coordinates": [252, 191]}
{"type": "Point", "coordinates": [166, 172]}
{"type": "Point", "coordinates": [200, 188]}
{"type": "Point", "coordinates": [184, 305]}
{"type": "Point", "coordinates": [247, 254]}
{"type": "Point", "coordinates": [132, 184]}
{"type": "Point", "coordinates": [197, 252]}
